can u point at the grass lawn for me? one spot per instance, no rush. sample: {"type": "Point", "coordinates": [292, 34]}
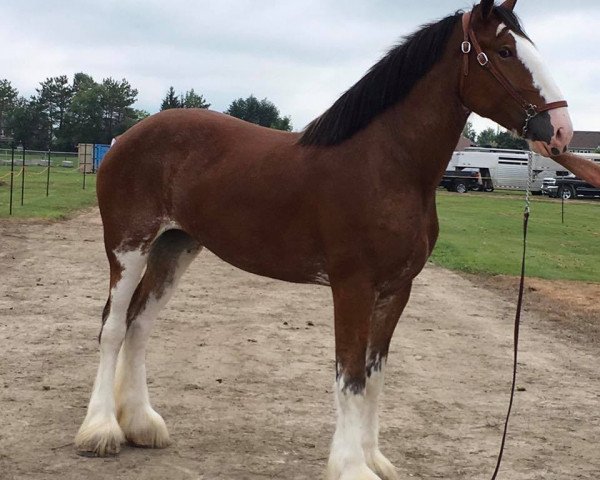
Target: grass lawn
{"type": "Point", "coordinates": [66, 192]}
{"type": "Point", "coordinates": [482, 233]}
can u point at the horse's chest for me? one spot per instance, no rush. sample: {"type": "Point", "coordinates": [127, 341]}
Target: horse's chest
{"type": "Point", "coordinates": [402, 241]}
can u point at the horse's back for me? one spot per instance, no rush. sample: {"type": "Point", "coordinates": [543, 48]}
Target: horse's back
{"type": "Point", "coordinates": [164, 139]}
{"type": "Point", "coordinates": [173, 153]}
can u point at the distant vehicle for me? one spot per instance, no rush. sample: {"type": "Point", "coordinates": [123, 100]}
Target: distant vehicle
{"type": "Point", "coordinates": [503, 168]}
{"type": "Point", "coordinates": [569, 187]}
{"type": "Point", "coordinates": [461, 181]}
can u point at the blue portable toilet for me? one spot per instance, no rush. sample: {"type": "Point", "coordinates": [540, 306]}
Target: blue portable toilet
{"type": "Point", "coordinates": [100, 150]}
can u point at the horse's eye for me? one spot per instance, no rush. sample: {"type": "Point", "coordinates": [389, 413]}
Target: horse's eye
{"type": "Point", "coordinates": [505, 53]}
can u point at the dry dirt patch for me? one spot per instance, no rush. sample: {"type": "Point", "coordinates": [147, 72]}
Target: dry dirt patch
{"type": "Point", "coordinates": [241, 367]}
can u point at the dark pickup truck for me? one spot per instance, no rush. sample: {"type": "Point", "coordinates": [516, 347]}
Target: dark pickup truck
{"type": "Point", "coordinates": [568, 187]}
{"type": "Point", "coordinates": [461, 181]}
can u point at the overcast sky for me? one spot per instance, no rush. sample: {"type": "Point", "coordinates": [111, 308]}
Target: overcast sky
{"type": "Point", "coordinates": [300, 54]}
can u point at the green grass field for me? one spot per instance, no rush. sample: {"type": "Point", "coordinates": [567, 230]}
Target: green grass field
{"type": "Point", "coordinates": [482, 233]}
{"type": "Point", "coordinates": [66, 193]}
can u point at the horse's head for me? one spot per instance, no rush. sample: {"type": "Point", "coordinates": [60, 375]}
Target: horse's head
{"type": "Point", "coordinates": [505, 79]}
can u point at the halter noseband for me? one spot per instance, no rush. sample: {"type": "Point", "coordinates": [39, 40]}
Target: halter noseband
{"type": "Point", "coordinates": [469, 43]}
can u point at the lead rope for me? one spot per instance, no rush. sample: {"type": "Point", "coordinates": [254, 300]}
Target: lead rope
{"type": "Point", "coordinates": [519, 308]}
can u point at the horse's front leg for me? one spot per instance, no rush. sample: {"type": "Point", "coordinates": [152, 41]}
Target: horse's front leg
{"type": "Point", "coordinates": [354, 300]}
{"type": "Point", "coordinates": [386, 312]}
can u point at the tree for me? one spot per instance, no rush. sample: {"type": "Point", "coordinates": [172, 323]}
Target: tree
{"type": "Point", "coordinates": [116, 98]}
{"type": "Point", "coordinates": [469, 132]}
{"type": "Point", "coordinates": [85, 117]}
{"type": "Point", "coordinates": [506, 139]}
{"type": "Point", "coordinates": [188, 100]}
{"type": "Point", "coordinates": [8, 100]}
{"type": "Point", "coordinates": [193, 100]}
{"type": "Point", "coordinates": [171, 100]}
{"type": "Point", "coordinates": [502, 139]}
{"type": "Point", "coordinates": [82, 81]}
{"type": "Point", "coordinates": [54, 96]}
{"type": "Point", "coordinates": [99, 111]}
{"type": "Point", "coordinates": [261, 112]}
{"type": "Point", "coordinates": [27, 123]}
{"type": "Point", "coordinates": [487, 138]}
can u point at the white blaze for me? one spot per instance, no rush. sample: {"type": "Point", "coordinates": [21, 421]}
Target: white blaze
{"type": "Point", "coordinates": [542, 79]}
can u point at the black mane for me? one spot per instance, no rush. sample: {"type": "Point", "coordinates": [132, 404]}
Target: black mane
{"type": "Point", "coordinates": [386, 83]}
{"type": "Point", "coordinates": [389, 81]}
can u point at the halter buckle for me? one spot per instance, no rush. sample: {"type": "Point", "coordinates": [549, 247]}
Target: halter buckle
{"type": "Point", "coordinates": [465, 47]}
{"type": "Point", "coordinates": [531, 110]}
{"type": "Point", "coordinates": [483, 59]}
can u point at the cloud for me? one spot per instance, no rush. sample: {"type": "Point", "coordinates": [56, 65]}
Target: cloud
{"type": "Point", "coordinates": [301, 55]}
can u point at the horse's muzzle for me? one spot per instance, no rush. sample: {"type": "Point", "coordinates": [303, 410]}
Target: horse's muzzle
{"type": "Point", "coordinates": [550, 132]}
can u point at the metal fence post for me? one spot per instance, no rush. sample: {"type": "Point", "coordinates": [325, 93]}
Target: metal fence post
{"type": "Point", "coordinates": [48, 176]}
{"type": "Point", "coordinates": [23, 178]}
{"type": "Point", "coordinates": [84, 164]}
{"type": "Point", "coordinates": [12, 177]}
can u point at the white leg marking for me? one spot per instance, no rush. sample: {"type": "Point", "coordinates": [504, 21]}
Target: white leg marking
{"type": "Point", "coordinates": [141, 424]}
{"type": "Point", "coordinates": [100, 433]}
{"type": "Point", "coordinates": [370, 440]}
{"type": "Point", "coordinates": [347, 459]}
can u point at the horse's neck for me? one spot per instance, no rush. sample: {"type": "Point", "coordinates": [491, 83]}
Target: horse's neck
{"type": "Point", "coordinates": [422, 131]}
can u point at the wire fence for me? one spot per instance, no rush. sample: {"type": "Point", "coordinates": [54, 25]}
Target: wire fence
{"type": "Point", "coordinates": [30, 178]}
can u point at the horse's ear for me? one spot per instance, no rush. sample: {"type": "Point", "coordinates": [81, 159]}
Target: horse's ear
{"type": "Point", "coordinates": [509, 4]}
{"type": "Point", "coordinates": [486, 8]}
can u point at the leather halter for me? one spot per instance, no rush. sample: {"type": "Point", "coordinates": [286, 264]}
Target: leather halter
{"type": "Point", "coordinates": [469, 43]}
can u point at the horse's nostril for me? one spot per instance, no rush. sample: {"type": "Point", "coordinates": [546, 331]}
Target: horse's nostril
{"type": "Point", "coordinates": [555, 151]}
{"type": "Point", "coordinates": [565, 149]}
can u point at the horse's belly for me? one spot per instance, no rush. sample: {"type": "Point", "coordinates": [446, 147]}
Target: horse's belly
{"type": "Point", "coordinates": [265, 250]}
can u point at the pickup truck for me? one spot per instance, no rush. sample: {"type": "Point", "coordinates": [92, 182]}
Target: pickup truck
{"type": "Point", "coordinates": [461, 181]}
{"type": "Point", "coordinates": [568, 187]}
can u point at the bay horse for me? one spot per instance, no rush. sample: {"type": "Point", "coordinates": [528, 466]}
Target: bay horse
{"type": "Point", "coordinates": [348, 203]}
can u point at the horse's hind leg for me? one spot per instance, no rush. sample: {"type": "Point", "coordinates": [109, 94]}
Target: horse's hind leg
{"type": "Point", "coordinates": [100, 433]}
{"type": "Point", "coordinates": [169, 257]}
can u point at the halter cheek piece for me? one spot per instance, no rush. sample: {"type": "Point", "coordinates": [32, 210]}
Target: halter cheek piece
{"type": "Point", "coordinates": [469, 43]}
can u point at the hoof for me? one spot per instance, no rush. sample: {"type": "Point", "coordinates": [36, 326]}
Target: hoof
{"type": "Point", "coordinates": [144, 428]}
{"type": "Point", "coordinates": [355, 472]}
{"type": "Point", "coordinates": [381, 466]}
{"type": "Point", "coordinates": [99, 439]}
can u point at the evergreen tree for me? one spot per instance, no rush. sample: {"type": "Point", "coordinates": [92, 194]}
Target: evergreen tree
{"type": "Point", "coordinates": [171, 100]}
{"type": "Point", "coordinates": [54, 97]}
{"type": "Point", "coordinates": [116, 98]}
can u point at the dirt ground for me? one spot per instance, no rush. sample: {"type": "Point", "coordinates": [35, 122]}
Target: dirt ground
{"type": "Point", "coordinates": [241, 368]}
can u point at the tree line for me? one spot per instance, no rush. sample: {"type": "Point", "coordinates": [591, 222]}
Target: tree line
{"type": "Point", "coordinates": [63, 113]}
{"type": "Point", "coordinates": [494, 138]}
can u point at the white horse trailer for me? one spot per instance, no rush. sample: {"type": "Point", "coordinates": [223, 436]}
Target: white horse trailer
{"type": "Point", "coordinates": [501, 168]}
